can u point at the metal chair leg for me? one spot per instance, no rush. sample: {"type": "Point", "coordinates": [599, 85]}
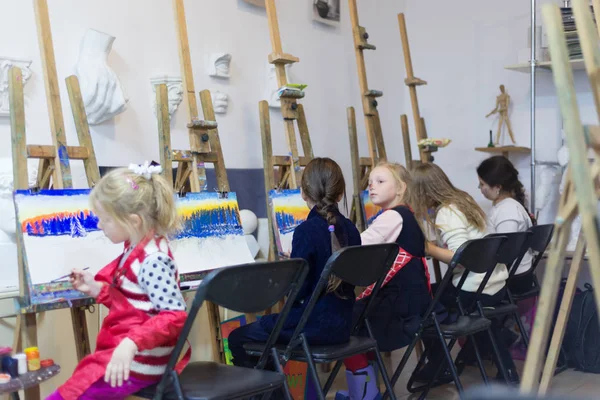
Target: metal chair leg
{"type": "Point", "coordinates": [312, 368]}
{"type": "Point", "coordinates": [479, 359]}
{"type": "Point", "coordinates": [279, 367]}
{"type": "Point", "coordinates": [332, 375]}
{"type": "Point", "coordinates": [384, 375]}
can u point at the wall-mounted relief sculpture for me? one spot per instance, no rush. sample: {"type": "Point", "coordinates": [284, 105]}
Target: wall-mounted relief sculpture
{"type": "Point", "coordinates": [5, 65]}
{"type": "Point", "coordinates": [217, 65]}
{"type": "Point", "coordinates": [272, 87]}
{"type": "Point", "coordinates": [102, 93]}
{"type": "Point", "coordinates": [174, 91]}
{"type": "Point", "coordinates": [220, 101]}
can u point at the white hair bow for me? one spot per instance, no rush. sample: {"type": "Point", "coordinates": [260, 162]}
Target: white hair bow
{"type": "Point", "coordinates": [146, 170]}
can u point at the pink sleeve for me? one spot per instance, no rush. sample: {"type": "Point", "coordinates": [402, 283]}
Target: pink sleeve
{"type": "Point", "coordinates": [385, 229]}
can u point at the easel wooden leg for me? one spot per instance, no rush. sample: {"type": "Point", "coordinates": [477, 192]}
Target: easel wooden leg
{"type": "Point", "coordinates": [268, 168]}
{"type": "Point", "coordinates": [563, 316]}
{"type": "Point", "coordinates": [82, 343]}
{"type": "Point", "coordinates": [356, 214]}
{"type": "Point", "coordinates": [304, 135]}
{"type": "Point", "coordinates": [545, 308]}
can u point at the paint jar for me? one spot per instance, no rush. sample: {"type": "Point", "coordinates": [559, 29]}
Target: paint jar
{"type": "Point", "coordinates": [9, 365]}
{"type": "Point", "coordinates": [21, 363]}
{"type": "Point", "coordinates": [33, 358]}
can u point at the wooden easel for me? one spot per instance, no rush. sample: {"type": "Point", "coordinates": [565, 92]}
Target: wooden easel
{"type": "Point", "coordinates": [205, 147]}
{"type": "Point", "coordinates": [285, 170]}
{"type": "Point", "coordinates": [48, 156]}
{"type": "Point", "coordinates": [362, 166]}
{"type": "Point", "coordinates": [580, 196]}
{"type": "Point", "coordinates": [54, 161]}
{"type": "Point", "coordinates": [425, 152]}
{"type": "Point", "coordinates": [412, 82]}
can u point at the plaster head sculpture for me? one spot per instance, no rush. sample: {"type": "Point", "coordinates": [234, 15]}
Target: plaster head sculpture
{"type": "Point", "coordinates": [218, 65]}
{"type": "Point", "coordinates": [5, 65]}
{"type": "Point", "coordinates": [272, 87]}
{"type": "Point", "coordinates": [249, 225]}
{"type": "Point", "coordinates": [102, 93]}
{"type": "Point", "coordinates": [174, 91]}
{"type": "Point", "coordinates": [220, 101]}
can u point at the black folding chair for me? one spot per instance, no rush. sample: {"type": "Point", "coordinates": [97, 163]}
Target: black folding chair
{"type": "Point", "coordinates": [358, 266]}
{"type": "Point", "coordinates": [511, 252]}
{"type": "Point", "coordinates": [478, 256]}
{"type": "Point", "coordinates": [540, 238]}
{"type": "Point", "coordinates": [249, 288]}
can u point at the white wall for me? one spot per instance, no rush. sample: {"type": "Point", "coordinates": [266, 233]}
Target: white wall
{"type": "Point", "coordinates": [461, 50]}
{"type": "Point", "coordinates": [146, 45]}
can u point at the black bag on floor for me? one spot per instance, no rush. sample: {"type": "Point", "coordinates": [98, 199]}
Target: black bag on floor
{"type": "Point", "coordinates": [582, 336]}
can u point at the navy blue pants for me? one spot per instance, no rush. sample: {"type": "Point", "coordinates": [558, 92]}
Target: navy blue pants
{"type": "Point", "coordinates": [253, 332]}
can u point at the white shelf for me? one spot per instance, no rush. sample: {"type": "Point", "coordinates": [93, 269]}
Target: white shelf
{"type": "Point", "coordinates": [546, 65]}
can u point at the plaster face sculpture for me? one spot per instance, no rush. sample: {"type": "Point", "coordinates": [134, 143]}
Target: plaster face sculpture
{"type": "Point", "coordinates": [220, 101]}
{"type": "Point", "coordinates": [218, 65]}
{"type": "Point", "coordinates": [502, 105]}
{"type": "Point", "coordinates": [102, 93]}
{"type": "Point", "coordinates": [5, 65]}
{"type": "Point", "coordinates": [174, 91]}
{"type": "Point", "coordinates": [273, 87]}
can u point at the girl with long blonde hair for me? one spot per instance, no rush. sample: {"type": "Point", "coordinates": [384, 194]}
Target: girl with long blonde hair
{"type": "Point", "coordinates": [454, 216]}
{"type": "Point", "coordinates": [405, 294]}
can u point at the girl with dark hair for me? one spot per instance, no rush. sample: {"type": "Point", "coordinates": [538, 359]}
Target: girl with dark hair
{"type": "Point", "coordinates": [315, 240]}
{"type": "Point", "coordinates": [499, 182]}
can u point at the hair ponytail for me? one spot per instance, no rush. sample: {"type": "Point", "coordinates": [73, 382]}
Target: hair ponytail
{"type": "Point", "coordinates": [323, 183]}
{"type": "Point", "coordinates": [165, 208]}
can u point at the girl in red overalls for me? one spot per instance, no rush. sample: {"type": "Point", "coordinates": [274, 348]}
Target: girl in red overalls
{"type": "Point", "coordinates": [405, 294]}
{"type": "Point", "coordinates": [140, 288]}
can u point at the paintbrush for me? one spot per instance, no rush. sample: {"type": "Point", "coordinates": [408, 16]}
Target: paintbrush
{"type": "Point", "coordinates": [66, 276]}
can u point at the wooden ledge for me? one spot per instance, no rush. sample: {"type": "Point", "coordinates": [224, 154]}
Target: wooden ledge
{"type": "Point", "coordinates": [504, 150]}
{"type": "Point", "coordinates": [202, 125]}
{"type": "Point", "coordinates": [414, 82]}
{"type": "Point", "coordinates": [282, 58]}
{"type": "Point", "coordinates": [373, 93]}
{"type": "Point", "coordinates": [291, 94]}
{"type": "Point", "coordinates": [49, 151]}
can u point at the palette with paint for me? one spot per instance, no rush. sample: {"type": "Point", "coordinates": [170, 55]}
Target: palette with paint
{"type": "Point", "coordinates": [60, 232]}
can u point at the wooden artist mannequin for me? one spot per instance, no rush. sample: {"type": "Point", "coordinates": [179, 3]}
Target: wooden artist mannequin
{"type": "Point", "coordinates": [502, 103]}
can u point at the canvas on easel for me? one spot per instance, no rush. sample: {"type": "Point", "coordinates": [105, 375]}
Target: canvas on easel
{"type": "Point", "coordinates": [289, 210]}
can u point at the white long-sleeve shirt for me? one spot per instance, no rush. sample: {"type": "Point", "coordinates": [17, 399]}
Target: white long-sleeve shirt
{"type": "Point", "coordinates": [384, 229]}
{"type": "Point", "coordinates": [508, 216]}
{"type": "Point", "coordinates": [452, 231]}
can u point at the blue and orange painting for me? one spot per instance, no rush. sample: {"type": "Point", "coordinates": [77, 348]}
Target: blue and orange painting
{"type": "Point", "coordinates": [211, 236]}
{"type": "Point", "coordinates": [205, 214]}
{"type": "Point", "coordinates": [289, 211]}
{"type": "Point", "coordinates": [370, 210]}
{"type": "Point", "coordinates": [60, 232]}
{"type": "Point", "coordinates": [56, 213]}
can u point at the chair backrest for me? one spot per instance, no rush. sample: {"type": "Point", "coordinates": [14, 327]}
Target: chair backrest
{"type": "Point", "coordinates": [479, 256]}
{"type": "Point", "coordinates": [541, 235]}
{"type": "Point", "coordinates": [246, 288]}
{"type": "Point", "coordinates": [357, 265]}
{"type": "Point", "coordinates": [513, 248]}
{"type": "Point", "coordinates": [467, 255]}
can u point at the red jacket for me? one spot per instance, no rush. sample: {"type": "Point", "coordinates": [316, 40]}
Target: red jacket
{"type": "Point", "coordinates": [151, 331]}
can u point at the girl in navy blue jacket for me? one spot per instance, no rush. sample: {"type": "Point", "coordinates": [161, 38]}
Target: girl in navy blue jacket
{"type": "Point", "coordinates": [324, 231]}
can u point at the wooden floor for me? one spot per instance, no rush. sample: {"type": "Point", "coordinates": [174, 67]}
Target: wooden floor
{"type": "Point", "coordinates": [569, 382]}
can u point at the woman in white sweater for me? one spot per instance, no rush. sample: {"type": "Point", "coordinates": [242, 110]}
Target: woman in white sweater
{"type": "Point", "coordinates": [499, 182]}
{"type": "Point", "coordinates": [456, 217]}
